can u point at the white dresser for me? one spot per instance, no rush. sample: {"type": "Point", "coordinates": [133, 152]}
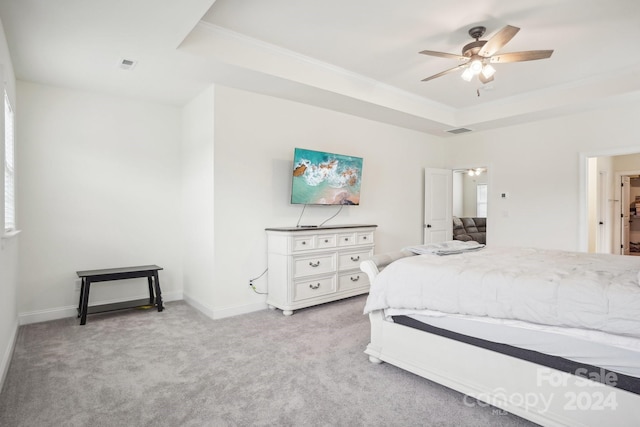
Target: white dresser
{"type": "Point", "coordinates": [309, 266]}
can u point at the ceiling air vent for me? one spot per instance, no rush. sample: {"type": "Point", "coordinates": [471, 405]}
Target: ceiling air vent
{"type": "Point", "coordinates": [459, 130]}
{"type": "Point", "coordinates": [127, 64]}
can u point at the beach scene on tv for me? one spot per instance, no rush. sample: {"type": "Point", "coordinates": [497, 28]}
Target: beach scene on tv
{"type": "Point", "coordinates": [321, 178]}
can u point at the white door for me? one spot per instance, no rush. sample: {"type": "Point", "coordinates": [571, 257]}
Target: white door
{"type": "Point", "coordinates": [438, 221]}
{"type": "Point", "coordinates": [603, 239]}
{"type": "Point", "coordinates": [624, 215]}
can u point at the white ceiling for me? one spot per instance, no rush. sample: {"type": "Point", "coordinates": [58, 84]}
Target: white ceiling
{"type": "Point", "coordinates": [356, 56]}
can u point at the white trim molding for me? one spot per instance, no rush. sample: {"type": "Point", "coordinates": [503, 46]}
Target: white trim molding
{"type": "Point", "coordinates": [72, 311]}
{"type": "Point", "coordinates": [8, 354]}
{"type": "Point", "coordinates": [220, 313]}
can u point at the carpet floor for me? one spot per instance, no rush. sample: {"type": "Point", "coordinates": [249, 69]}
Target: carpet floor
{"type": "Point", "coordinates": [181, 368]}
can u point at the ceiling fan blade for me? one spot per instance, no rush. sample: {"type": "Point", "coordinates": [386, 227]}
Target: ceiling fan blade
{"type": "Point", "coordinates": [529, 55]}
{"type": "Point", "coordinates": [500, 39]}
{"type": "Point", "coordinates": [450, 70]}
{"type": "Point", "coordinates": [444, 55]}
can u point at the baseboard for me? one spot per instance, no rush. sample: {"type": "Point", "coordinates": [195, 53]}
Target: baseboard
{"type": "Point", "coordinates": [220, 313]}
{"type": "Point", "coordinates": [8, 354]}
{"type": "Point", "coordinates": [72, 311]}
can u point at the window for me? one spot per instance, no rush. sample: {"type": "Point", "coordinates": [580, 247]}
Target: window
{"type": "Point", "coordinates": [481, 201]}
{"type": "Point", "coordinates": [9, 168]}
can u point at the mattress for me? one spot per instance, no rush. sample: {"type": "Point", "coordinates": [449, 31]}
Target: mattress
{"type": "Point", "coordinates": [557, 288]}
{"type": "Point", "coordinates": [591, 354]}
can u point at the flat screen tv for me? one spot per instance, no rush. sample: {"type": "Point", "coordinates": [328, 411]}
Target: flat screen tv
{"type": "Point", "coordinates": [321, 178]}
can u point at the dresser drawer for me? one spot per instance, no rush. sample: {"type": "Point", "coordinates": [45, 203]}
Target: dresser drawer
{"type": "Point", "coordinates": [314, 288]}
{"type": "Point", "coordinates": [364, 238]}
{"type": "Point", "coordinates": [354, 280]}
{"type": "Point", "coordinates": [315, 264]}
{"type": "Point", "coordinates": [352, 260]}
{"type": "Point", "coordinates": [346, 239]}
{"type": "Point", "coordinates": [304, 243]}
{"type": "Point", "coordinates": [324, 242]}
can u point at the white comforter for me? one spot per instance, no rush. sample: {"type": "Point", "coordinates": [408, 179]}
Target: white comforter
{"type": "Point", "coordinates": [558, 288]}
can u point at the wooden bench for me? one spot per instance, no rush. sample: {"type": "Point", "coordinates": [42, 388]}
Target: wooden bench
{"type": "Point", "coordinates": [90, 276]}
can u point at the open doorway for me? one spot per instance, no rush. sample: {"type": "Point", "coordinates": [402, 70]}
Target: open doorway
{"type": "Point", "coordinates": [630, 213]}
{"type": "Point", "coordinates": [613, 221]}
{"type": "Point", "coordinates": [470, 191]}
{"type": "Point", "coordinates": [458, 193]}
{"type": "Point", "coordinates": [470, 195]}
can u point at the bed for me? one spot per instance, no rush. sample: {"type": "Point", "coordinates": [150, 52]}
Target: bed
{"type": "Point", "coordinates": [551, 336]}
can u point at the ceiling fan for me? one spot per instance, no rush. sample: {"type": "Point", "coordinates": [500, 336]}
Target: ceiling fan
{"type": "Point", "coordinates": [478, 55]}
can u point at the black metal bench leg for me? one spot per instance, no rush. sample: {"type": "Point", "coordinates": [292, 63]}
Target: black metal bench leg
{"type": "Point", "coordinates": [82, 284]}
{"type": "Point", "coordinates": [151, 296]}
{"type": "Point", "coordinates": [85, 302]}
{"type": "Point", "coordinates": [158, 292]}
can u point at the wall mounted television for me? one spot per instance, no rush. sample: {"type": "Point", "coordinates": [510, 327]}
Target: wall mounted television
{"type": "Point", "coordinates": [321, 178]}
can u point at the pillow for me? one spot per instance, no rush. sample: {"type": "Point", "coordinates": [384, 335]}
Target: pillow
{"type": "Point", "coordinates": [457, 222]}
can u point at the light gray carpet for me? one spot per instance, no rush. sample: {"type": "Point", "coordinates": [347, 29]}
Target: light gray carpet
{"type": "Point", "coordinates": [180, 368]}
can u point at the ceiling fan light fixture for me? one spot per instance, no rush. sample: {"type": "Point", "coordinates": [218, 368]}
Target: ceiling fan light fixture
{"type": "Point", "coordinates": [467, 74]}
{"type": "Point", "coordinates": [476, 66]}
{"type": "Point", "coordinates": [488, 71]}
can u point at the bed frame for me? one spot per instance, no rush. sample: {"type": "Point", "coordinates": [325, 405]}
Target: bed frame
{"type": "Point", "coordinates": [537, 393]}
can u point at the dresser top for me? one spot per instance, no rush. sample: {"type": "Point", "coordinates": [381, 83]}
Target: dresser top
{"type": "Point", "coordinates": [324, 227]}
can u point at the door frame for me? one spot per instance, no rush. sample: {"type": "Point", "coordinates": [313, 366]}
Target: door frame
{"type": "Point", "coordinates": [618, 214]}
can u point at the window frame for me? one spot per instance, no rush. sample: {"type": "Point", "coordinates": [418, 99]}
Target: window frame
{"type": "Point", "coordinates": [10, 225]}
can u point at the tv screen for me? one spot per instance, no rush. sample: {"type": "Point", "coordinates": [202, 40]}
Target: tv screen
{"type": "Point", "coordinates": [321, 178]}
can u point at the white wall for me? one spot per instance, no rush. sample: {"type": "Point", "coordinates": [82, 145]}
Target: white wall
{"type": "Point", "coordinates": [8, 247]}
{"type": "Point", "coordinates": [255, 136]}
{"type": "Point", "coordinates": [102, 175]}
{"type": "Point", "coordinates": [538, 164]}
{"type": "Point", "coordinates": [627, 163]}
{"type": "Point", "coordinates": [197, 201]}
{"type": "Point", "coordinates": [99, 187]}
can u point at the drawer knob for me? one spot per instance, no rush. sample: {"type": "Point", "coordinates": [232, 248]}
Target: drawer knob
{"type": "Point", "coordinates": [326, 240]}
{"type": "Point", "coordinates": [346, 239]}
{"type": "Point", "coordinates": [312, 286]}
{"type": "Point", "coordinates": [312, 264]}
{"type": "Point", "coordinates": [355, 259]}
{"type": "Point", "coordinates": [304, 242]}
{"type": "Point", "coordinates": [355, 279]}
{"type": "Point", "coordinates": [364, 237]}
